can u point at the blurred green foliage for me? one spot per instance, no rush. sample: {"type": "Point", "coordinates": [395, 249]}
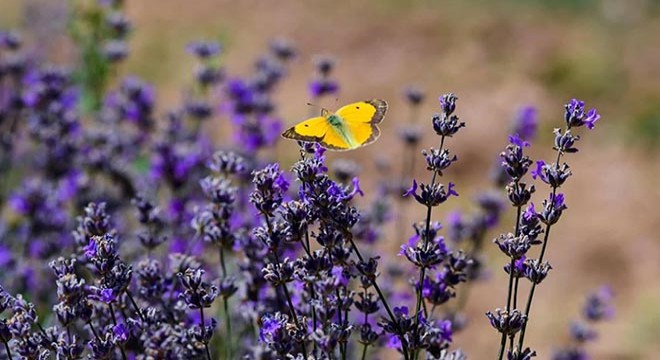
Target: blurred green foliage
{"type": "Point", "coordinates": [88, 28]}
{"type": "Point", "coordinates": [646, 124]}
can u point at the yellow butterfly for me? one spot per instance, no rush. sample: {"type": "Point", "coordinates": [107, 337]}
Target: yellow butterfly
{"type": "Point", "coordinates": [350, 127]}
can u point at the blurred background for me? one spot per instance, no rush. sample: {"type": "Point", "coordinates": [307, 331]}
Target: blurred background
{"type": "Point", "coordinates": [497, 58]}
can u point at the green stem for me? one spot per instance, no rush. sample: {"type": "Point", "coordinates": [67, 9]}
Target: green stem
{"type": "Point", "coordinates": [225, 304]}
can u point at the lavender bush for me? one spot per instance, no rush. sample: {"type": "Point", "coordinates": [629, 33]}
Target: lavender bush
{"type": "Point", "coordinates": [121, 238]}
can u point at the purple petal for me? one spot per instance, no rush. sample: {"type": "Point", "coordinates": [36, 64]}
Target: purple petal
{"type": "Point", "coordinates": [412, 190]}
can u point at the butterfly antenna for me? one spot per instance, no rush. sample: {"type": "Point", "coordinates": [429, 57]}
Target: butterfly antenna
{"type": "Point", "coordinates": [324, 111]}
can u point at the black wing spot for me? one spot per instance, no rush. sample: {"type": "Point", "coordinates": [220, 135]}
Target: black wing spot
{"type": "Point", "coordinates": [306, 125]}
{"type": "Point", "coordinates": [357, 108]}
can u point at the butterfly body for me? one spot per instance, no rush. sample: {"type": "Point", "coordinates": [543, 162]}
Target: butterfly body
{"type": "Point", "coordinates": [350, 127]}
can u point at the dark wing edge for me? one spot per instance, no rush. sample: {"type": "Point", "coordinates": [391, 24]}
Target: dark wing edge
{"type": "Point", "coordinates": [374, 135]}
{"type": "Point", "coordinates": [381, 109]}
{"type": "Point", "coordinates": [290, 133]}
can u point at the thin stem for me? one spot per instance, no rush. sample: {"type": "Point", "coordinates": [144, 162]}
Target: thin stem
{"type": "Point", "coordinates": [7, 348]}
{"type": "Point", "coordinates": [508, 309]}
{"type": "Point", "coordinates": [342, 345]}
{"type": "Point", "coordinates": [292, 310]}
{"type": "Point", "coordinates": [515, 306]}
{"type": "Point", "coordinates": [114, 321]}
{"type": "Point", "coordinates": [91, 327]}
{"type": "Point", "coordinates": [310, 285]}
{"type": "Point", "coordinates": [203, 326]}
{"type": "Point", "coordinates": [422, 273]}
{"type": "Point", "coordinates": [528, 307]}
{"type": "Point", "coordinates": [427, 240]}
{"type": "Point", "coordinates": [225, 304]}
{"type": "Point", "coordinates": [500, 353]}
{"type": "Point", "coordinates": [223, 266]}
{"type": "Point", "coordinates": [546, 237]}
{"type": "Point", "coordinates": [381, 296]}
{"type": "Point", "coordinates": [137, 308]}
{"type": "Point", "coordinates": [510, 292]}
{"type": "Point", "coordinates": [366, 319]}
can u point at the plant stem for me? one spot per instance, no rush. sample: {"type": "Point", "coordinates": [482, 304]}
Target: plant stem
{"type": "Point", "coordinates": [137, 309]}
{"type": "Point", "coordinates": [381, 296]}
{"type": "Point", "coordinates": [7, 348]}
{"type": "Point", "coordinates": [528, 307]}
{"type": "Point", "coordinates": [510, 292]}
{"type": "Point", "coordinates": [225, 304]}
{"type": "Point", "coordinates": [114, 321]}
{"type": "Point", "coordinates": [546, 237]}
{"type": "Point", "coordinates": [366, 318]}
{"type": "Point", "coordinates": [342, 349]}
{"type": "Point", "coordinates": [203, 326]}
{"type": "Point", "coordinates": [422, 273]}
{"type": "Point", "coordinates": [91, 327]}
{"type": "Point", "coordinates": [292, 310]}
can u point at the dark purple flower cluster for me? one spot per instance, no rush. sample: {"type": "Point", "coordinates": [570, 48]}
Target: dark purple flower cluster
{"type": "Point", "coordinates": [130, 233]}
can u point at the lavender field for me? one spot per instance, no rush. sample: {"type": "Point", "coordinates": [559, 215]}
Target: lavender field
{"type": "Point", "coordinates": [151, 209]}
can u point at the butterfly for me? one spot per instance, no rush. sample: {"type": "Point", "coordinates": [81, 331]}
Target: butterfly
{"type": "Point", "coordinates": [350, 127]}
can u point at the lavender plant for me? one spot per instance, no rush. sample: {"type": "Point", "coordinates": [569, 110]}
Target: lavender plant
{"type": "Point", "coordinates": [529, 225]}
{"type": "Point", "coordinates": [125, 239]}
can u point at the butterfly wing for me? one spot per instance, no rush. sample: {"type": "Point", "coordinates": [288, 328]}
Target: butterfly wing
{"type": "Point", "coordinates": [311, 130]}
{"type": "Point", "coordinates": [360, 120]}
{"type": "Point", "coordinates": [317, 129]}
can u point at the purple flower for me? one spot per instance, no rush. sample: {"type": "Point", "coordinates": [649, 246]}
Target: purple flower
{"type": "Point", "coordinates": [321, 87]}
{"type": "Point", "coordinates": [598, 306]}
{"type": "Point", "coordinates": [575, 115]}
{"type": "Point", "coordinates": [538, 171]}
{"type": "Point", "coordinates": [339, 276]}
{"type": "Point", "coordinates": [592, 117]}
{"type": "Point", "coordinates": [90, 249]}
{"type": "Point", "coordinates": [120, 333]}
{"type": "Point", "coordinates": [448, 103]}
{"type": "Point", "coordinates": [270, 187]}
{"type": "Point", "coordinates": [107, 295]}
{"type": "Point", "coordinates": [506, 322]}
{"type": "Point", "coordinates": [431, 195]}
{"type": "Point", "coordinates": [204, 49]}
{"type": "Point", "coordinates": [526, 123]}
{"type": "Point", "coordinates": [515, 139]}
